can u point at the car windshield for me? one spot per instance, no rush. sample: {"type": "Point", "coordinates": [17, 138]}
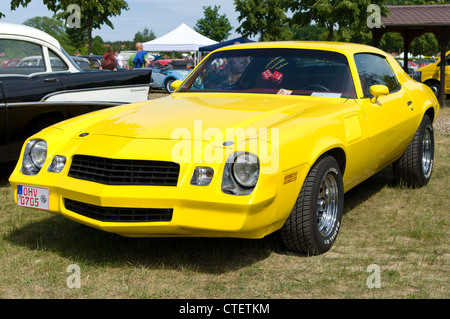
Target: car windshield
{"type": "Point", "coordinates": [274, 71]}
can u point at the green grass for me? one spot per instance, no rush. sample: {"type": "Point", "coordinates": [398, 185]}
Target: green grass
{"type": "Point", "coordinates": [404, 231]}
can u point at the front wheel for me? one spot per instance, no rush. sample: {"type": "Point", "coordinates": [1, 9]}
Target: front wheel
{"type": "Point", "coordinates": [435, 87]}
{"type": "Point", "coordinates": [314, 222]}
{"type": "Point", "coordinates": [167, 85]}
{"type": "Point", "coordinates": [416, 164]}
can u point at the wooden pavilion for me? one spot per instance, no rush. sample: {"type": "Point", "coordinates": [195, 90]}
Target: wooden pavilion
{"type": "Point", "coordinates": [413, 21]}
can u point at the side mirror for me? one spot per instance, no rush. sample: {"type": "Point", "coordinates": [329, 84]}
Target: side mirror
{"type": "Point", "coordinates": [175, 84]}
{"type": "Point", "coordinates": [377, 91]}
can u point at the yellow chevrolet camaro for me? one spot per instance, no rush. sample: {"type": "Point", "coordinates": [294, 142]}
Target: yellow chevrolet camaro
{"type": "Point", "coordinates": [258, 138]}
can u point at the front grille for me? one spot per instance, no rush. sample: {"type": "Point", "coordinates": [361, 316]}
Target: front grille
{"type": "Point", "coordinates": [116, 214]}
{"type": "Point", "coordinates": [124, 172]}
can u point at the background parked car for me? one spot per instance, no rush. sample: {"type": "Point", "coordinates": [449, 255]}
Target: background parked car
{"type": "Point", "coordinates": [83, 63]}
{"type": "Point", "coordinates": [431, 75]}
{"type": "Point", "coordinates": [424, 62]}
{"type": "Point", "coordinates": [412, 67]}
{"type": "Point", "coordinates": [41, 85]}
{"type": "Point", "coordinates": [167, 71]}
{"type": "Point", "coordinates": [10, 63]}
{"type": "Point", "coordinates": [96, 60]}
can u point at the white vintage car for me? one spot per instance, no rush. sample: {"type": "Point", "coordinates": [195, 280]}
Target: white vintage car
{"type": "Point", "coordinates": [40, 85]}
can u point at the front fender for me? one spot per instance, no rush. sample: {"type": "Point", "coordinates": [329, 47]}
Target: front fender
{"type": "Point", "coordinates": [325, 145]}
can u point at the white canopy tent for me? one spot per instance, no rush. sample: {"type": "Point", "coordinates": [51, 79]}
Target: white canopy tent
{"type": "Point", "coordinates": [182, 39]}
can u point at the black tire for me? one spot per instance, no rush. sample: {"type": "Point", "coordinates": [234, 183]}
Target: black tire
{"type": "Point", "coordinates": [435, 87]}
{"type": "Point", "coordinates": [304, 231]}
{"type": "Point", "coordinates": [167, 85]}
{"type": "Point", "coordinates": [415, 166]}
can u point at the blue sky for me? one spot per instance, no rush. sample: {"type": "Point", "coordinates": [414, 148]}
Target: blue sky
{"type": "Point", "coordinates": [161, 16]}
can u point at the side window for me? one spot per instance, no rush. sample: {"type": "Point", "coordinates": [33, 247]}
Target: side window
{"type": "Point", "coordinates": [21, 57]}
{"type": "Point", "coordinates": [374, 69]}
{"type": "Point", "coordinates": [56, 62]}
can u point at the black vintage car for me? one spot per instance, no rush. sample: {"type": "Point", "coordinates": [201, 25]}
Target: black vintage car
{"type": "Point", "coordinates": [41, 85]}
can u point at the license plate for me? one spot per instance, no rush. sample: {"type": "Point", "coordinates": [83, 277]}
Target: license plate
{"type": "Point", "coordinates": [33, 197]}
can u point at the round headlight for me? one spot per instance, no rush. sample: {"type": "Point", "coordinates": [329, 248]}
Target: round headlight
{"type": "Point", "coordinates": [246, 169]}
{"type": "Point", "coordinates": [34, 156]}
{"type": "Point", "coordinates": [38, 153]}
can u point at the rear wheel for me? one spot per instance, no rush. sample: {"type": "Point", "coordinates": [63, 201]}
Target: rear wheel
{"type": "Point", "coordinates": [315, 219]}
{"type": "Point", "coordinates": [416, 164]}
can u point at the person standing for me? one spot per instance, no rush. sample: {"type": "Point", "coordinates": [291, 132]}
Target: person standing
{"type": "Point", "coordinates": [139, 59]}
{"type": "Point", "coordinates": [109, 62]}
{"type": "Point", "coordinates": [119, 60]}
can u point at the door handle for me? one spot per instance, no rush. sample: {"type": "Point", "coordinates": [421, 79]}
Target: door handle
{"type": "Point", "coordinates": [54, 80]}
{"type": "Point", "coordinates": [409, 103]}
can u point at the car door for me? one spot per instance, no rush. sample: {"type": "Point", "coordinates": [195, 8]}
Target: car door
{"type": "Point", "coordinates": [156, 79]}
{"type": "Point", "coordinates": [390, 119]}
{"type": "Point", "coordinates": [4, 152]}
{"type": "Point", "coordinates": [24, 86]}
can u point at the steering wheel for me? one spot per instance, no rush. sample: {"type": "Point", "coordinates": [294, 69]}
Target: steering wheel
{"type": "Point", "coordinates": [317, 86]}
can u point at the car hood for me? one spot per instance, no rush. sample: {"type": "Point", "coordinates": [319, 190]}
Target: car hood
{"type": "Point", "coordinates": [202, 116]}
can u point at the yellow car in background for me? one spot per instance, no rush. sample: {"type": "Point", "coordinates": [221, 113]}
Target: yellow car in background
{"type": "Point", "coordinates": [258, 138]}
{"type": "Point", "coordinates": [431, 75]}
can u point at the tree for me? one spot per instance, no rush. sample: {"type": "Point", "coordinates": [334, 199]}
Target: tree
{"type": "Point", "coordinates": [213, 25]}
{"type": "Point", "coordinates": [77, 40]}
{"type": "Point", "coordinates": [333, 13]}
{"type": "Point", "coordinates": [392, 42]}
{"type": "Point", "coordinates": [93, 13]}
{"type": "Point", "coordinates": [144, 36]}
{"type": "Point", "coordinates": [426, 44]}
{"type": "Point", "coordinates": [54, 27]}
{"type": "Point", "coordinates": [51, 26]}
{"type": "Point", "coordinates": [264, 17]}
{"type": "Point", "coordinates": [310, 32]}
{"type": "Point", "coordinates": [97, 45]}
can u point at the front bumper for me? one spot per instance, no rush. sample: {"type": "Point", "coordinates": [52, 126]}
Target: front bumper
{"type": "Point", "coordinates": [197, 211]}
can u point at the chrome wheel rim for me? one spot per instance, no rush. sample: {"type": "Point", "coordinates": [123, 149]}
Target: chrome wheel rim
{"type": "Point", "coordinates": [327, 205]}
{"type": "Point", "coordinates": [434, 89]}
{"type": "Point", "coordinates": [168, 88]}
{"type": "Point", "coordinates": [426, 151]}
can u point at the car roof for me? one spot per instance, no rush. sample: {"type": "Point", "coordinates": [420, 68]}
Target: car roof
{"type": "Point", "coordinates": [344, 47]}
{"type": "Point", "coordinates": [79, 58]}
{"type": "Point", "coordinates": [26, 31]}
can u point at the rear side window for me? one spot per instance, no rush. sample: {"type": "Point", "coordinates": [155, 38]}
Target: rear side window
{"type": "Point", "coordinates": [21, 57]}
{"type": "Point", "coordinates": [374, 69]}
{"type": "Point", "coordinates": [56, 62]}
